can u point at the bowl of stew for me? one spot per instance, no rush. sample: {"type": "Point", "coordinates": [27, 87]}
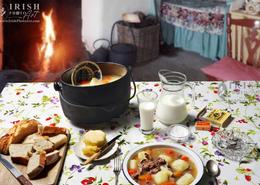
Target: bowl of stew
{"type": "Point", "coordinates": [162, 164]}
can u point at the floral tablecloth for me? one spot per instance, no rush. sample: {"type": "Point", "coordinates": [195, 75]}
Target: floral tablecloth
{"type": "Point", "coordinates": [39, 101]}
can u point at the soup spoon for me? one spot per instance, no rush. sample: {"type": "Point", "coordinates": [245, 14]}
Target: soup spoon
{"type": "Point", "coordinates": [213, 170]}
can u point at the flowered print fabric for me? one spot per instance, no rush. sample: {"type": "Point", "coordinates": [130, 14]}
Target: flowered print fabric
{"type": "Point", "coordinates": [209, 19]}
{"type": "Point", "coordinates": [40, 101]}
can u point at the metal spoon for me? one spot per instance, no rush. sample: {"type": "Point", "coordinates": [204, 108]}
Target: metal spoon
{"type": "Point", "coordinates": [213, 171]}
{"type": "Point", "coordinates": [212, 168]}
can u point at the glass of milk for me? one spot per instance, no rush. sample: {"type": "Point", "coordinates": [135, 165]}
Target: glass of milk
{"type": "Point", "coordinates": [147, 104]}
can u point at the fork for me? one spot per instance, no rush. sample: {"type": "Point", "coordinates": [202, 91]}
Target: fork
{"type": "Point", "coordinates": [117, 168]}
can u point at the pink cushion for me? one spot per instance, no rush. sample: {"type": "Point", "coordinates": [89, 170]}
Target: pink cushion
{"type": "Point", "coordinates": [230, 69]}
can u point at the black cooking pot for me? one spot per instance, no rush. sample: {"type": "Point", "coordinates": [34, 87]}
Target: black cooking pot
{"type": "Point", "coordinates": [100, 95]}
{"type": "Point", "coordinates": [82, 115]}
{"type": "Point", "coordinates": [123, 53]}
{"type": "Point", "coordinates": [101, 54]}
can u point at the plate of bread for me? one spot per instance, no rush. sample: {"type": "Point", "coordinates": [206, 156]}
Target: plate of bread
{"type": "Point", "coordinates": [91, 142]}
{"type": "Point", "coordinates": [37, 151]}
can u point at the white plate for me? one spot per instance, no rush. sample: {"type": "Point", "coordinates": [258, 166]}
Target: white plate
{"type": "Point", "coordinates": [80, 145]}
{"type": "Point", "coordinates": [181, 149]}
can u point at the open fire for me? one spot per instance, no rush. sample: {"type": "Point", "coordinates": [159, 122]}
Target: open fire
{"type": "Point", "coordinates": [46, 50]}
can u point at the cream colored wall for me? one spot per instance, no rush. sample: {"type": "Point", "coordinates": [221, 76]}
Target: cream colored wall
{"type": "Point", "coordinates": [99, 15]}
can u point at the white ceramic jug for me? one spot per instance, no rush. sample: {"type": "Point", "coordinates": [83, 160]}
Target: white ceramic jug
{"type": "Point", "coordinates": [171, 108]}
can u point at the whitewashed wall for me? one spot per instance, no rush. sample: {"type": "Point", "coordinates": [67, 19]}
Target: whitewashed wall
{"type": "Point", "coordinates": [99, 15]}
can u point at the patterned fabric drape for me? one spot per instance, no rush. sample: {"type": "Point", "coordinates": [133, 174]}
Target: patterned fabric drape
{"type": "Point", "coordinates": [206, 19]}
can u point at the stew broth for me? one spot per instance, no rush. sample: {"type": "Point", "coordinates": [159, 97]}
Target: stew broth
{"type": "Point", "coordinates": [105, 79]}
{"type": "Point", "coordinates": [161, 166]}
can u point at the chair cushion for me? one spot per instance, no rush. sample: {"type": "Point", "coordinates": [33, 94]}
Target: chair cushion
{"type": "Point", "coordinates": [230, 69]}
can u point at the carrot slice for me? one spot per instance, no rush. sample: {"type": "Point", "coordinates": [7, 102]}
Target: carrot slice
{"type": "Point", "coordinates": [185, 158]}
{"type": "Point", "coordinates": [131, 171]}
{"type": "Point", "coordinates": [177, 174]}
{"type": "Point", "coordinates": [169, 152]}
{"type": "Point", "coordinates": [146, 177]}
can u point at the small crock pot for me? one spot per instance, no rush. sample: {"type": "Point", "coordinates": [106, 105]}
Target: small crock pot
{"type": "Point", "coordinates": [100, 95]}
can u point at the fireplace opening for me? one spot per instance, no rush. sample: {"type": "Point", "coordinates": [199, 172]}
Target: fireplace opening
{"type": "Point", "coordinates": [23, 37]}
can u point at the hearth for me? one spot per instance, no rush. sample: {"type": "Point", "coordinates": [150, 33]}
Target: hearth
{"type": "Point", "coordinates": [26, 46]}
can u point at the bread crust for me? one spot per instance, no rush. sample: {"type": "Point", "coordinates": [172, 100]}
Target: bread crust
{"type": "Point", "coordinates": [24, 128]}
{"type": "Point", "coordinates": [5, 142]}
{"type": "Point", "coordinates": [18, 133]}
{"type": "Point", "coordinates": [20, 160]}
{"type": "Point", "coordinates": [52, 157]}
{"type": "Point", "coordinates": [52, 131]}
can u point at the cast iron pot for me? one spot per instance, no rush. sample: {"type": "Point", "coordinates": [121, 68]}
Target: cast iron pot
{"type": "Point", "coordinates": [82, 115]}
{"type": "Point", "coordinates": [101, 54]}
{"type": "Point", "coordinates": [123, 53]}
{"type": "Point", "coordinates": [100, 95]}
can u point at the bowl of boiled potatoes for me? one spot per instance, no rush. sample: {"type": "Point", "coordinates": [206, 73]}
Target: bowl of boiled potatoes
{"type": "Point", "coordinates": [91, 142]}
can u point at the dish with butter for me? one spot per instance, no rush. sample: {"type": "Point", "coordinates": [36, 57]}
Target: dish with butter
{"type": "Point", "coordinates": [91, 142]}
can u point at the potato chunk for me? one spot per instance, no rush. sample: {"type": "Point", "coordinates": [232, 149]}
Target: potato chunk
{"type": "Point", "coordinates": [167, 158]}
{"type": "Point", "coordinates": [162, 176]}
{"type": "Point", "coordinates": [133, 164]}
{"type": "Point", "coordinates": [179, 165]}
{"type": "Point", "coordinates": [142, 155]}
{"type": "Point", "coordinates": [186, 179]}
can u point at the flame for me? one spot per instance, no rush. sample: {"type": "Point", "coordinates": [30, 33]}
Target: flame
{"type": "Point", "coordinates": [48, 39]}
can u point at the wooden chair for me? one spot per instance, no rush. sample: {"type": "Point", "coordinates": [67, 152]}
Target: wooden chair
{"type": "Point", "coordinates": [237, 65]}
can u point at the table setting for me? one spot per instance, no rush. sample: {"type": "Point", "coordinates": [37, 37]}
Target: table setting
{"type": "Point", "coordinates": [167, 132]}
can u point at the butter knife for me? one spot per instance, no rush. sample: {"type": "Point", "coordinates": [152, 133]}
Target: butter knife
{"type": "Point", "coordinates": [17, 174]}
{"type": "Point", "coordinates": [102, 151]}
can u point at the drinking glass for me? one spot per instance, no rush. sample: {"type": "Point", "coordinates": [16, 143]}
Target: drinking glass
{"type": "Point", "coordinates": [147, 104]}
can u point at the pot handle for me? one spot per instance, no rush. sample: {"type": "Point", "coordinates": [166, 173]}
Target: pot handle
{"type": "Point", "coordinates": [102, 39]}
{"type": "Point", "coordinates": [132, 79]}
{"type": "Point", "coordinates": [130, 28]}
{"type": "Point", "coordinates": [57, 86]}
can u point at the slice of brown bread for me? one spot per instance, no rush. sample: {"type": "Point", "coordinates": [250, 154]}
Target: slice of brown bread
{"type": "Point", "coordinates": [52, 157]}
{"type": "Point", "coordinates": [43, 145]}
{"type": "Point", "coordinates": [36, 164]}
{"type": "Point", "coordinates": [31, 138]}
{"type": "Point", "coordinates": [58, 140]}
{"type": "Point", "coordinates": [20, 153]}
